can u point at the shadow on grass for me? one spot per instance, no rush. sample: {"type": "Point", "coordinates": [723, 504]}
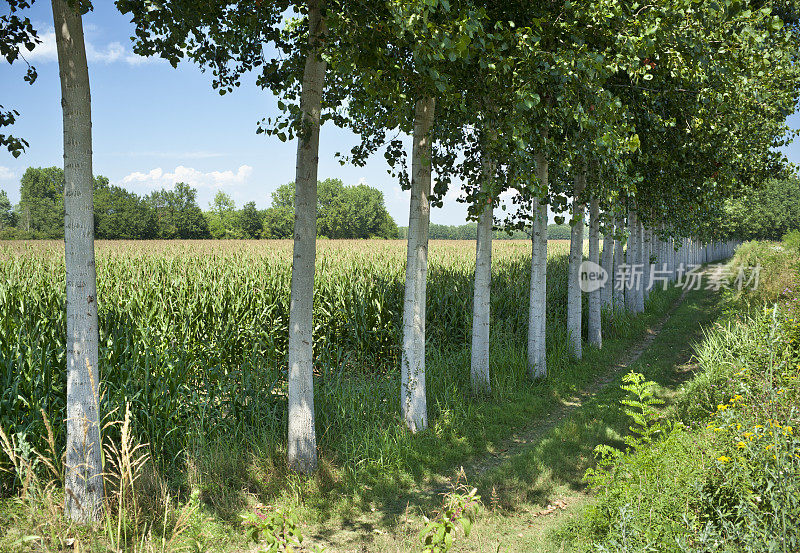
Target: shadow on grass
{"type": "Point", "coordinates": [400, 472]}
{"type": "Point", "coordinates": [559, 461]}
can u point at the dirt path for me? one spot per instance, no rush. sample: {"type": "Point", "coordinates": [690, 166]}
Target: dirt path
{"type": "Point", "coordinates": [531, 435]}
{"type": "Point", "coordinates": [351, 537]}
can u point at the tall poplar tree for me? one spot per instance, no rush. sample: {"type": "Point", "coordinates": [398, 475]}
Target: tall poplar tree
{"type": "Point", "coordinates": [83, 467]}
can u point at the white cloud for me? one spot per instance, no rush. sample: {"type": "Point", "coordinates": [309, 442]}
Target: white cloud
{"type": "Point", "coordinates": [6, 173]}
{"type": "Point", "coordinates": [110, 53]}
{"type": "Point", "coordinates": [114, 52]}
{"type": "Point", "coordinates": [158, 178]}
{"type": "Point", "coordinates": [44, 51]}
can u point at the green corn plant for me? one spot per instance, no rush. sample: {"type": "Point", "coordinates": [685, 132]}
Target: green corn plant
{"type": "Point", "coordinates": [193, 335]}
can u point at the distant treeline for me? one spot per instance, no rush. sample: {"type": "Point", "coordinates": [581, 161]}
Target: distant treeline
{"type": "Point", "coordinates": [767, 212]}
{"type": "Point", "coordinates": [469, 231]}
{"type": "Point", "coordinates": [342, 212]}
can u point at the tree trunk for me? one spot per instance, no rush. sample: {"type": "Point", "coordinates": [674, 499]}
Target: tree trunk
{"type": "Point", "coordinates": [83, 469]}
{"type": "Point", "coordinates": [412, 386]}
{"type": "Point", "coordinates": [631, 259]}
{"type": "Point", "coordinates": [607, 262]}
{"type": "Point", "coordinates": [479, 363]}
{"type": "Point", "coordinates": [619, 259]}
{"type": "Point", "coordinates": [302, 450]}
{"type": "Point", "coordinates": [594, 323]}
{"type": "Point", "coordinates": [574, 317]}
{"type": "Point", "coordinates": [647, 252]}
{"type": "Point", "coordinates": [640, 259]}
{"type": "Point", "coordinates": [537, 306]}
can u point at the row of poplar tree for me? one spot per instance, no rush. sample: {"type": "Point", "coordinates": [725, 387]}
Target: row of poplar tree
{"type": "Point", "coordinates": [651, 113]}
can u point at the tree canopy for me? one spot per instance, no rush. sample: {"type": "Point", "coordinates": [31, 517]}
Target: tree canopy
{"type": "Point", "coordinates": [342, 212]}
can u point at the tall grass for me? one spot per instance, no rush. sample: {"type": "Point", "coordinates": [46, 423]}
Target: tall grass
{"type": "Point", "coordinates": [193, 337]}
{"type": "Point", "coordinates": [725, 473]}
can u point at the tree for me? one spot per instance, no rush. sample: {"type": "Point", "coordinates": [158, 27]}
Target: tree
{"type": "Point", "coordinates": [357, 212]}
{"type": "Point", "coordinates": [230, 37]}
{"type": "Point", "coordinates": [250, 221]}
{"type": "Point", "coordinates": [177, 213]}
{"type": "Point", "coordinates": [343, 212]}
{"type": "Point", "coordinates": [607, 262]}
{"type": "Point", "coordinates": [401, 83]}
{"type": "Point", "coordinates": [765, 212]}
{"type": "Point", "coordinates": [41, 206]}
{"type": "Point", "coordinates": [120, 214]}
{"type": "Point", "coordinates": [574, 299]}
{"type": "Point", "coordinates": [595, 301]}
{"type": "Point", "coordinates": [537, 301]}
{"type": "Point", "coordinates": [413, 399]}
{"type": "Point", "coordinates": [481, 300]}
{"type": "Point", "coordinates": [302, 450]}
{"type": "Point", "coordinates": [278, 222]}
{"type": "Point", "coordinates": [15, 33]}
{"type": "Point", "coordinates": [222, 221]}
{"type": "Point", "coordinates": [7, 216]}
{"type": "Point", "coordinates": [279, 217]}
{"type": "Point", "coordinates": [83, 466]}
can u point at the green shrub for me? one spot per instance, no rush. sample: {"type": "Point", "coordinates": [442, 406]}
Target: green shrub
{"type": "Point", "coordinates": [791, 241]}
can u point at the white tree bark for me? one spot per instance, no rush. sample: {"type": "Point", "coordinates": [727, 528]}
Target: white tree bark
{"type": "Point", "coordinates": [574, 316]}
{"type": "Point", "coordinates": [83, 496]}
{"type": "Point", "coordinates": [412, 386]}
{"type": "Point", "coordinates": [607, 262]}
{"type": "Point", "coordinates": [671, 258]}
{"type": "Point", "coordinates": [479, 362]}
{"type": "Point", "coordinates": [594, 322]}
{"type": "Point", "coordinates": [618, 294]}
{"type": "Point", "coordinates": [631, 259]}
{"type": "Point", "coordinates": [640, 259]}
{"type": "Point", "coordinates": [302, 440]}
{"type": "Point", "coordinates": [537, 313]}
{"type": "Point", "coordinates": [647, 252]}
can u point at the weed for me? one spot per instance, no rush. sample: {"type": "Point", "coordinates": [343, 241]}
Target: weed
{"type": "Point", "coordinates": [460, 508]}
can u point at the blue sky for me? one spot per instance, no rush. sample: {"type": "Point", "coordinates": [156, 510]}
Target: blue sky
{"type": "Point", "coordinates": [154, 125]}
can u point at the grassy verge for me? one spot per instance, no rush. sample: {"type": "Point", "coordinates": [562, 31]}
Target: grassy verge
{"type": "Point", "coordinates": [720, 472]}
{"type": "Point", "coordinates": [541, 490]}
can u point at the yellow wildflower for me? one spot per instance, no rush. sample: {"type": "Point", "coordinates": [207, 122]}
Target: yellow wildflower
{"type": "Point", "coordinates": [723, 459]}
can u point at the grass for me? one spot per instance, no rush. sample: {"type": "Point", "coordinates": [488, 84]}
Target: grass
{"type": "Point", "coordinates": [723, 476]}
{"type": "Point", "coordinates": [518, 492]}
{"type": "Point", "coordinates": [196, 352]}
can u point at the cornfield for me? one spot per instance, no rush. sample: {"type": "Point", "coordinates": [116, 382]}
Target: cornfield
{"type": "Point", "coordinates": [194, 335]}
